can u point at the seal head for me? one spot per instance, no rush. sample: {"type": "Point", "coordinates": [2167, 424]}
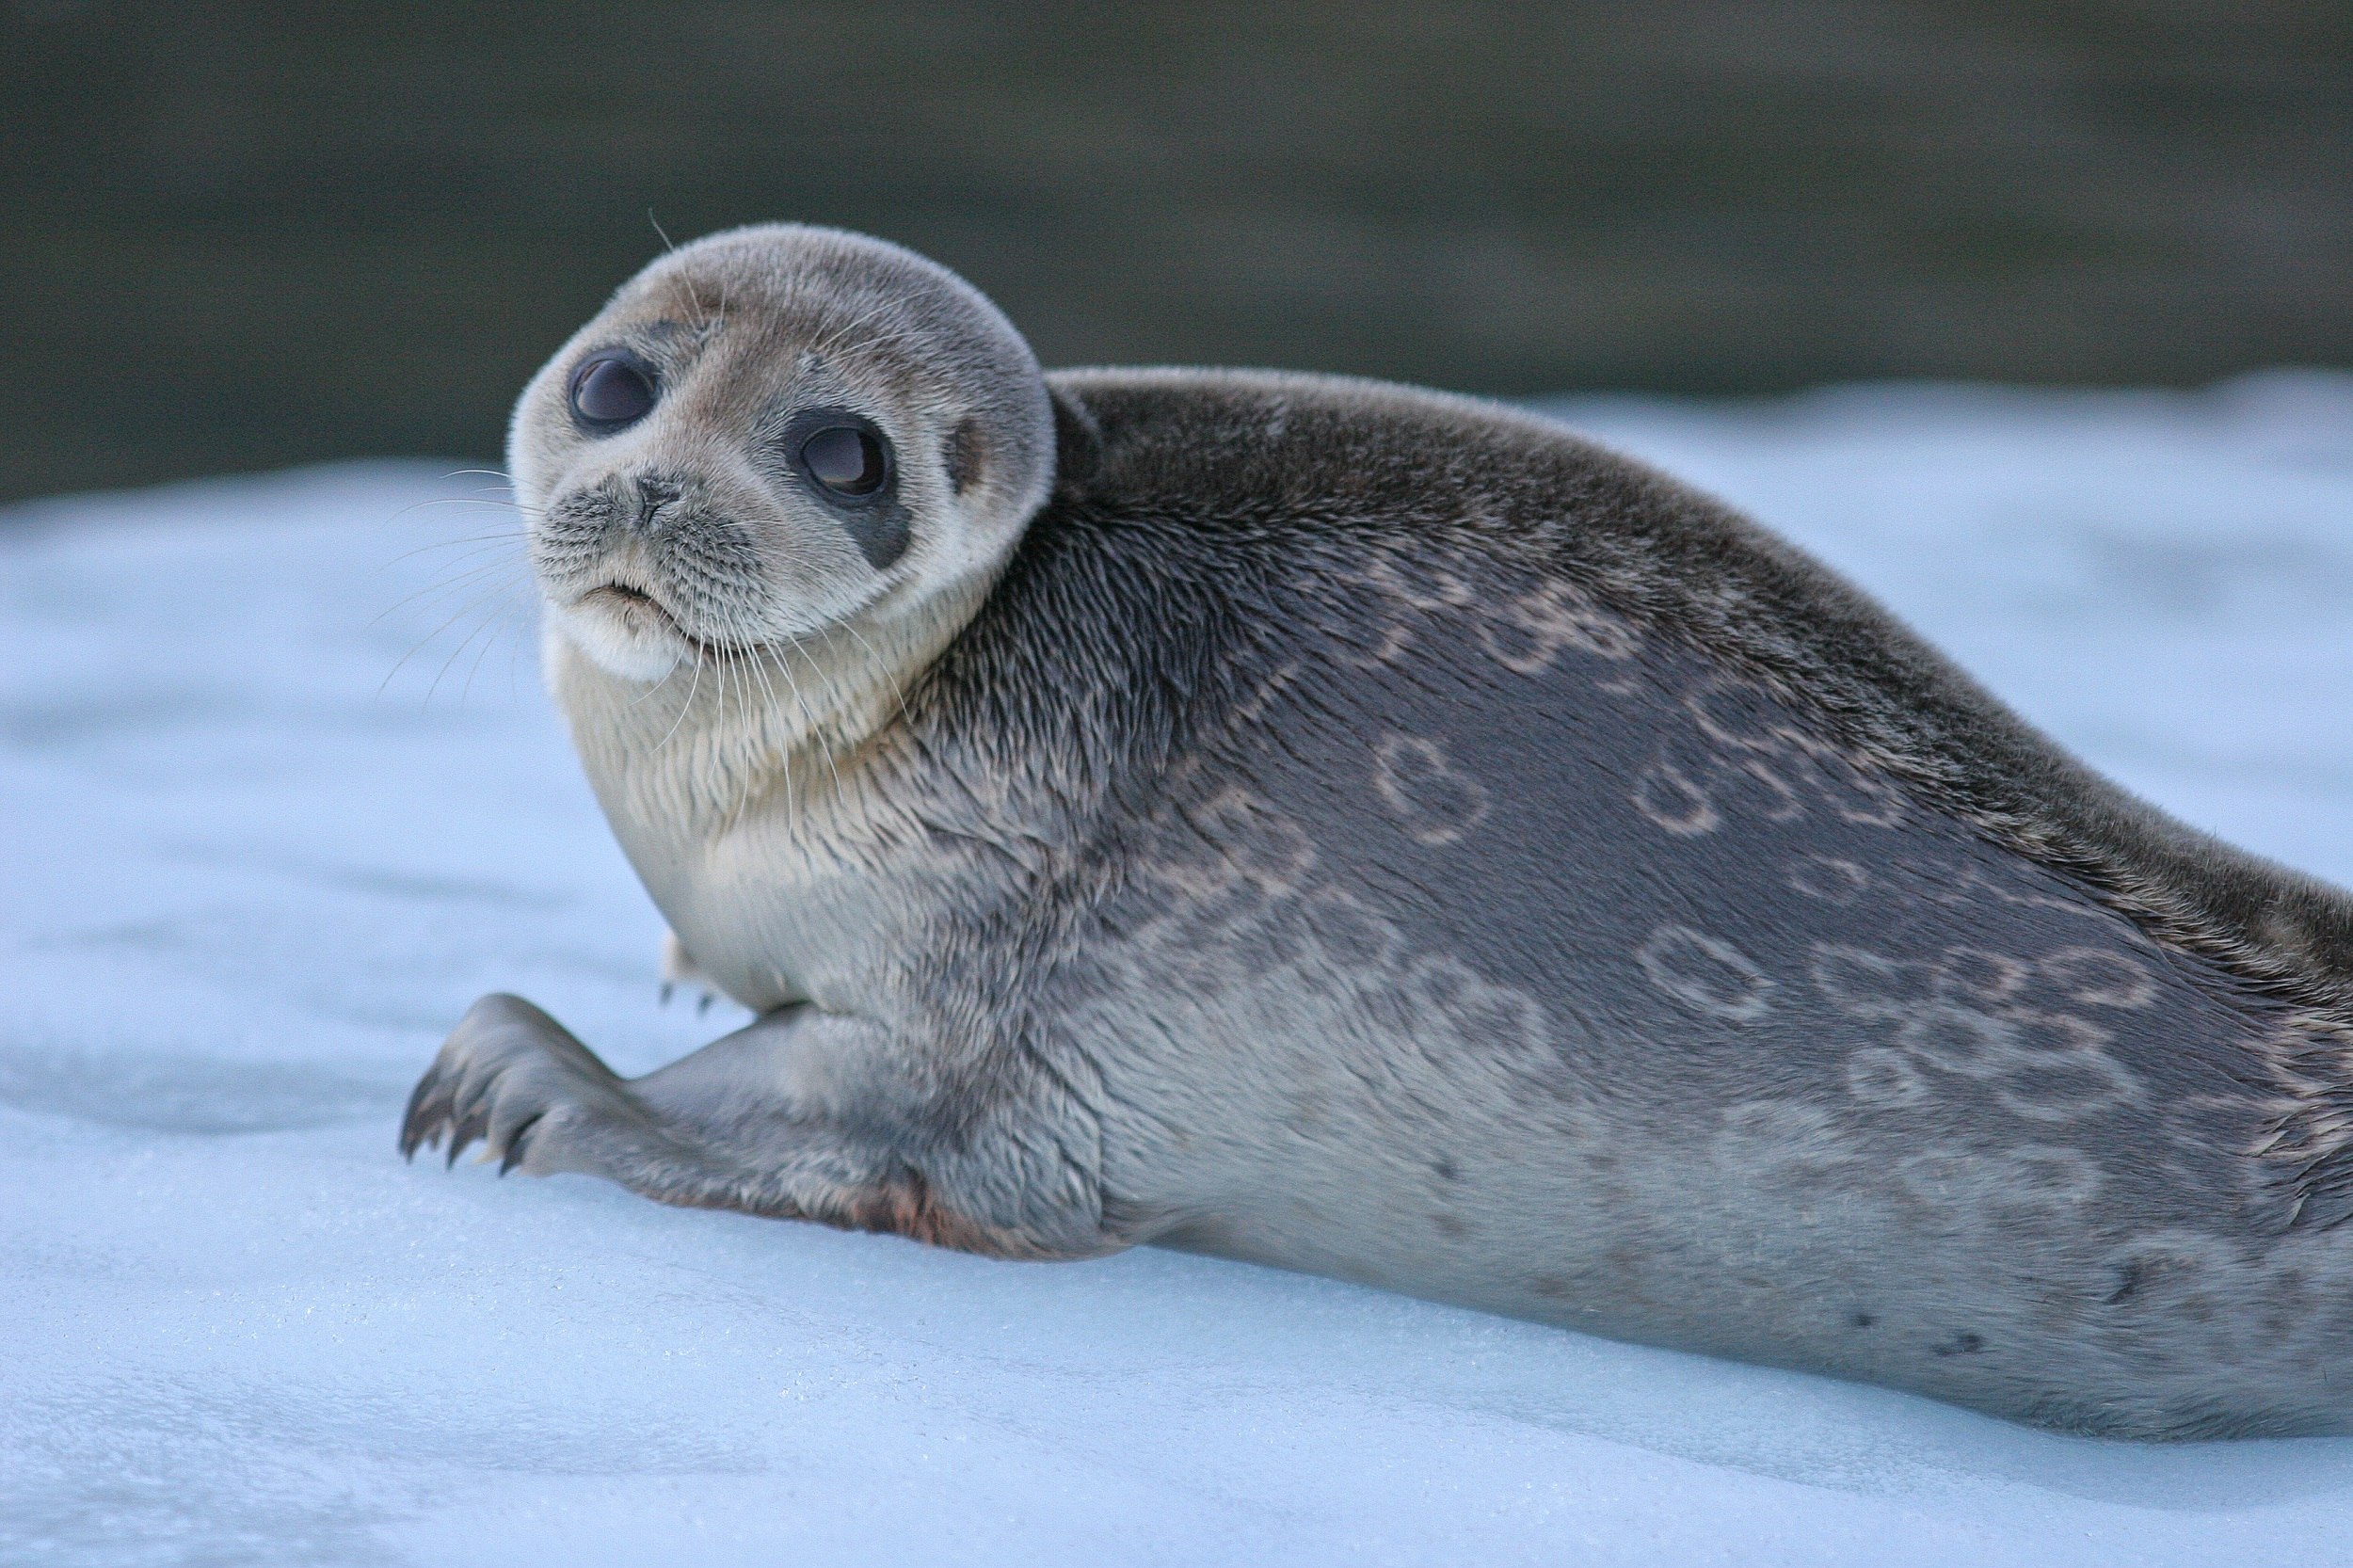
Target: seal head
{"type": "Point", "coordinates": [770, 434]}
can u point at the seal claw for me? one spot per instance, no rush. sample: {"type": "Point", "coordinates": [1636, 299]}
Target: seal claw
{"type": "Point", "coordinates": [499, 1073]}
{"type": "Point", "coordinates": [414, 1122]}
{"type": "Point", "coordinates": [514, 1155]}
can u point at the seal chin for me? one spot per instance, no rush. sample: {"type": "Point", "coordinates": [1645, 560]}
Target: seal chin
{"type": "Point", "coordinates": [624, 631]}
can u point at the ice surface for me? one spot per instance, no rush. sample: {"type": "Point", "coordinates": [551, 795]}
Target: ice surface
{"type": "Point", "coordinates": [250, 880]}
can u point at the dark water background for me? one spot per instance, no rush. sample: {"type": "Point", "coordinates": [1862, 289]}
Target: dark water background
{"type": "Point", "coordinates": [239, 236]}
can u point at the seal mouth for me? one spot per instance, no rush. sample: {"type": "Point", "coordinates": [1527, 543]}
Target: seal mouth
{"type": "Point", "coordinates": [630, 600]}
{"type": "Point", "coordinates": [635, 606]}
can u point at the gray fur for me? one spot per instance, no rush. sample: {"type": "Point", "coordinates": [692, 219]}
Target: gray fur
{"type": "Point", "coordinates": [1378, 833]}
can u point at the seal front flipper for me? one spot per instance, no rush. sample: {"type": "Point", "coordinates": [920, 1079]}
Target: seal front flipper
{"type": "Point", "coordinates": [798, 1115]}
{"type": "Point", "coordinates": [522, 1085]}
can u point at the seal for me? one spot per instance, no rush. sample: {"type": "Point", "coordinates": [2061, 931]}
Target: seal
{"type": "Point", "coordinates": [1378, 833]}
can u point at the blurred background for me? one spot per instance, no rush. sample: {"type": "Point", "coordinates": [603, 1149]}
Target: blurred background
{"type": "Point", "coordinates": [243, 236]}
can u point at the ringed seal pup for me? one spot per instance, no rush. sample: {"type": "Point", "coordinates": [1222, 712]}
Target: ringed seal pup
{"type": "Point", "coordinates": [1379, 833]}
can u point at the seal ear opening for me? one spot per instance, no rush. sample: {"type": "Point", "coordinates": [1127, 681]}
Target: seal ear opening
{"type": "Point", "coordinates": [964, 454]}
{"type": "Point", "coordinates": [1078, 439]}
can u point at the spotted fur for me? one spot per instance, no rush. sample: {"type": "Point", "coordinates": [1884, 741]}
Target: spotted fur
{"type": "Point", "coordinates": [1379, 833]}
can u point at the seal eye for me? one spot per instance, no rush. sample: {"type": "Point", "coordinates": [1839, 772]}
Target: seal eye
{"type": "Point", "coordinates": [846, 460]}
{"type": "Point", "coordinates": [610, 390]}
{"type": "Point", "coordinates": [842, 460]}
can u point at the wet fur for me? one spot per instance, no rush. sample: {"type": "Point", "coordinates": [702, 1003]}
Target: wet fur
{"type": "Point", "coordinates": [1379, 833]}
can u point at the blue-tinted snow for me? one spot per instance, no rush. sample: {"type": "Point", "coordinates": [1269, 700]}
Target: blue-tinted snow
{"type": "Point", "coordinates": [249, 880]}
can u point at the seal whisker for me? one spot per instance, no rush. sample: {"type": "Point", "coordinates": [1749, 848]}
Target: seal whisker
{"type": "Point", "coordinates": [480, 598]}
{"type": "Point", "coordinates": [855, 325]}
{"type": "Point", "coordinates": [441, 587]}
{"type": "Point", "coordinates": [896, 684]}
{"type": "Point", "coordinates": [685, 706]}
{"type": "Point", "coordinates": [488, 629]}
{"type": "Point", "coordinates": [755, 670]}
{"type": "Point", "coordinates": [667, 677]}
{"type": "Point", "coordinates": [813, 721]}
{"type": "Point", "coordinates": [504, 536]}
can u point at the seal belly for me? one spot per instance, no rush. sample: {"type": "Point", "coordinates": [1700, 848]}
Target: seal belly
{"type": "Point", "coordinates": [1561, 973]}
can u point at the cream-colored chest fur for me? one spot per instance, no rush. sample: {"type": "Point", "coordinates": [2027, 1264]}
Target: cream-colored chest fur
{"type": "Point", "coordinates": [748, 806]}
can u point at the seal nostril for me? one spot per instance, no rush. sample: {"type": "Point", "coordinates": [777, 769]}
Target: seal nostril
{"type": "Point", "coordinates": [654, 492]}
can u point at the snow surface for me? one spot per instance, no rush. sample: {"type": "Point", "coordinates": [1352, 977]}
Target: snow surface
{"type": "Point", "coordinates": [260, 855]}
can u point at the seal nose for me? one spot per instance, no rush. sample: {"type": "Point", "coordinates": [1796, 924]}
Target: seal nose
{"type": "Point", "coordinates": [654, 492]}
